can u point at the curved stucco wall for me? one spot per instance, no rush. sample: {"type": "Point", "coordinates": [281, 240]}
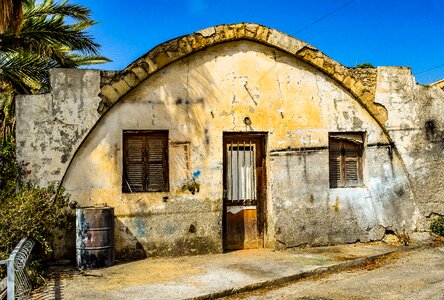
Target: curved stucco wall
{"type": "Point", "coordinates": [360, 82]}
{"type": "Point", "coordinates": [210, 92]}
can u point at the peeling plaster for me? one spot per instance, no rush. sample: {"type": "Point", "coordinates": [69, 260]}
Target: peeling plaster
{"type": "Point", "coordinates": [294, 93]}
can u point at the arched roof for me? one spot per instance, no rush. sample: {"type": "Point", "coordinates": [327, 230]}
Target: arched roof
{"type": "Point", "coordinates": [439, 83]}
{"type": "Point", "coordinates": [361, 82]}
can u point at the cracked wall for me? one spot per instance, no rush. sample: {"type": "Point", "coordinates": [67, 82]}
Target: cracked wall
{"type": "Point", "coordinates": [201, 96]}
{"type": "Point", "coordinates": [206, 83]}
{"type": "Point", "coordinates": [415, 125]}
{"type": "Point", "coordinates": [359, 82]}
{"type": "Point", "coordinates": [50, 127]}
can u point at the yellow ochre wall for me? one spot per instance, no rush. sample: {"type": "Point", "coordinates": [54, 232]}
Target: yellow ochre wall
{"type": "Point", "coordinates": [199, 97]}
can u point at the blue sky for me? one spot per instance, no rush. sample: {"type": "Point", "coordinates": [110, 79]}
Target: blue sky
{"type": "Point", "coordinates": [381, 32]}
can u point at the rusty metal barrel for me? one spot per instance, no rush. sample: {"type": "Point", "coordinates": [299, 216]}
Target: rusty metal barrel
{"type": "Point", "coordinates": [95, 237]}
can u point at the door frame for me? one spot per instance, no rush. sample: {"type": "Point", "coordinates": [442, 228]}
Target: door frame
{"type": "Point", "coordinates": [261, 175]}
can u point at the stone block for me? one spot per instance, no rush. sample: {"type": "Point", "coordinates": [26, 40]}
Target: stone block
{"type": "Point", "coordinates": [358, 88]}
{"type": "Point", "coordinates": [110, 93]}
{"type": "Point", "coordinates": [367, 97]}
{"type": "Point", "coordinates": [230, 32]}
{"type": "Point", "coordinates": [184, 46]}
{"type": "Point", "coordinates": [250, 30]}
{"type": "Point", "coordinates": [329, 66]}
{"type": "Point", "coordinates": [152, 66]}
{"type": "Point", "coordinates": [285, 42]}
{"type": "Point", "coordinates": [131, 79]}
{"type": "Point", "coordinates": [349, 81]}
{"type": "Point", "coordinates": [207, 32]}
{"type": "Point", "coordinates": [140, 73]}
{"type": "Point", "coordinates": [121, 87]}
{"type": "Point", "coordinates": [198, 42]}
{"type": "Point", "coordinates": [162, 59]}
{"type": "Point", "coordinates": [262, 33]}
{"type": "Point", "coordinates": [240, 30]}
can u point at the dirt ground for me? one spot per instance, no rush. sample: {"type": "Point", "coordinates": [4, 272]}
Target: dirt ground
{"type": "Point", "coordinates": [412, 274]}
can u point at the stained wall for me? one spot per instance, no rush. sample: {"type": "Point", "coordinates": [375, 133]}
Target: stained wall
{"type": "Point", "coordinates": [198, 87]}
{"type": "Point", "coordinates": [200, 97]}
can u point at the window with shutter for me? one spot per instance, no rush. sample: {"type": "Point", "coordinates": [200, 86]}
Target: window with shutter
{"type": "Point", "coordinates": [145, 161]}
{"type": "Point", "coordinates": [345, 159]}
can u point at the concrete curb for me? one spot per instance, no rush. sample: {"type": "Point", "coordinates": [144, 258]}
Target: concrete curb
{"type": "Point", "coordinates": [285, 279]}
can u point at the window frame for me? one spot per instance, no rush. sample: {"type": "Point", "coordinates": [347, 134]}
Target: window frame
{"type": "Point", "coordinates": [345, 140]}
{"type": "Point", "coordinates": [145, 137]}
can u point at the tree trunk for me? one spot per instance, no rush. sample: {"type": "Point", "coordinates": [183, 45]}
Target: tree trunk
{"type": "Point", "coordinates": [7, 131]}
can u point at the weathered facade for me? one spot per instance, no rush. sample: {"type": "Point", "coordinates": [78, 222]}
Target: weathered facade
{"type": "Point", "coordinates": [240, 136]}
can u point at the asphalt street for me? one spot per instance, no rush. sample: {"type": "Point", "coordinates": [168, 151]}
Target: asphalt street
{"type": "Point", "coordinates": [412, 274]}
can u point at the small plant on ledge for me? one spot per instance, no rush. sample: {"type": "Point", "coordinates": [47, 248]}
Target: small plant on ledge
{"type": "Point", "coordinates": [437, 225]}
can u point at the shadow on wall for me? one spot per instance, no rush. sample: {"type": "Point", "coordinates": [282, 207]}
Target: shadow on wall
{"type": "Point", "coordinates": [195, 102]}
{"type": "Point", "coordinates": [64, 244]}
{"type": "Point", "coordinates": [184, 97]}
{"type": "Point", "coordinates": [126, 245]}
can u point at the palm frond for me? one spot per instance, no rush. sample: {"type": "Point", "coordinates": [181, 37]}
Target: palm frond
{"type": "Point", "coordinates": [41, 34]}
{"type": "Point", "coordinates": [45, 41]}
{"type": "Point", "coordinates": [82, 25]}
{"type": "Point", "coordinates": [49, 7]}
{"type": "Point", "coordinates": [82, 60]}
{"type": "Point", "coordinates": [23, 71]}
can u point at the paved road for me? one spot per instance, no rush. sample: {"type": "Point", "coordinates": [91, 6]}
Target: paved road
{"type": "Point", "coordinates": [415, 274]}
{"type": "Point", "coordinates": [203, 275]}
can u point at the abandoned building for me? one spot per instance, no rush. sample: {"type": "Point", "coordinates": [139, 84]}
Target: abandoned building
{"type": "Point", "coordinates": [240, 136]}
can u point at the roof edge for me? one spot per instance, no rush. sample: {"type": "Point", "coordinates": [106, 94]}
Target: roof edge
{"type": "Point", "coordinates": [439, 83]}
{"type": "Point", "coordinates": [166, 53]}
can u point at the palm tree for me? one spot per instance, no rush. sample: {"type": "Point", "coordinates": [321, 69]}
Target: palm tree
{"type": "Point", "coordinates": [33, 38]}
{"type": "Point", "coordinates": [44, 41]}
{"type": "Point", "coordinates": [11, 14]}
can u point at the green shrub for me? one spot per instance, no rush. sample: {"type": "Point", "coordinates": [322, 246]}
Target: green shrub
{"type": "Point", "coordinates": [437, 226]}
{"type": "Point", "coordinates": [365, 65]}
{"type": "Point", "coordinates": [33, 211]}
{"type": "Point", "coordinates": [27, 209]}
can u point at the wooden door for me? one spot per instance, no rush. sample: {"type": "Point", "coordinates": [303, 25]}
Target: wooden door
{"type": "Point", "coordinates": [244, 190]}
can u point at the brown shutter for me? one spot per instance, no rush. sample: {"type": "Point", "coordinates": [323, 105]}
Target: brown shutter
{"type": "Point", "coordinates": [134, 166]}
{"type": "Point", "coordinates": [335, 163]}
{"type": "Point", "coordinates": [352, 157]}
{"type": "Point", "coordinates": [145, 161]}
{"type": "Point", "coordinates": [345, 159]}
{"type": "Point", "coordinates": [157, 179]}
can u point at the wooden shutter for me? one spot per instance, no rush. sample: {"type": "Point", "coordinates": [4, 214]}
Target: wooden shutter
{"type": "Point", "coordinates": [345, 160]}
{"type": "Point", "coordinates": [157, 179]}
{"type": "Point", "coordinates": [335, 163]}
{"type": "Point", "coordinates": [352, 162]}
{"type": "Point", "coordinates": [145, 161]}
{"type": "Point", "coordinates": [134, 164]}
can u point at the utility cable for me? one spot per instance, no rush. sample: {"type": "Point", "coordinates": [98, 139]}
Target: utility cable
{"type": "Point", "coordinates": [430, 69]}
{"type": "Point", "coordinates": [325, 16]}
